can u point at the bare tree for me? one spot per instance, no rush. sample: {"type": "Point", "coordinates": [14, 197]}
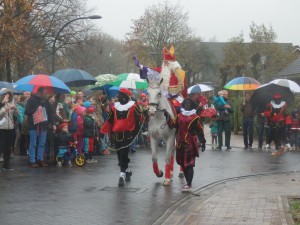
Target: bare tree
{"type": "Point", "coordinates": [99, 54]}
{"type": "Point", "coordinates": [161, 24]}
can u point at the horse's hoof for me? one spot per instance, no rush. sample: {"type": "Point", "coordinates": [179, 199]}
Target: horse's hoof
{"type": "Point", "coordinates": [161, 174]}
{"type": "Point", "coordinates": [167, 182]}
{"type": "Point", "coordinates": [181, 175]}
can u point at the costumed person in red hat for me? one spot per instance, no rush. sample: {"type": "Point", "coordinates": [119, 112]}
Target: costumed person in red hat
{"type": "Point", "coordinates": [174, 82]}
{"type": "Point", "coordinates": [279, 119]}
{"type": "Point", "coordinates": [143, 136]}
{"type": "Point", "coordinates": [188, 128]}
{"type": "Point", "coordinates": [63, 139]}
{"type": "Point", "coordinates": [123, 122]}
{"type": "Point", "coordinates": [90, 132]}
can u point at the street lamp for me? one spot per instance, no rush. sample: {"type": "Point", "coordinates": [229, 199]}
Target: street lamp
{"type": "Point", "coordinates": [263, 61]}
{"type": "Point", "coordinates": [94, 17]}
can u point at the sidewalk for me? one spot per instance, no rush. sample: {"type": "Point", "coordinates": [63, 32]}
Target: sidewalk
{"type": "Point", "coordinates": [236, 140]}
{"type": "Point", "coordinates": [260, 200]}
{"type": "Point", "coordinates": [256, 200]}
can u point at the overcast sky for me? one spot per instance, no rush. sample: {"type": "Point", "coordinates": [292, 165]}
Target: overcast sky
{"type": "Point", "coordinates": [210, 19]}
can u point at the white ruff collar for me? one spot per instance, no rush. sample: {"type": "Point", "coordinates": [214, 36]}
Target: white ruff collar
{"type": "Point", "coordinates": [277, 106]}
{"type": "Point", "coordinates": [188, 113]}
{"type": "Point", "coordinates": [125, 107]}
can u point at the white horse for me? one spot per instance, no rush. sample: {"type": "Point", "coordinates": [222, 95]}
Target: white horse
{"type": "Point", "coordinates": [158, 129]}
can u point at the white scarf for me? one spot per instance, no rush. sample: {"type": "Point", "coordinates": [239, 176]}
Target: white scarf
{"type": "Point", "coordinates": [125, 107]}
{"type": "Point", "coordinates": [188, 113]}
{"type": "Point", "coordinates": [277, 106]}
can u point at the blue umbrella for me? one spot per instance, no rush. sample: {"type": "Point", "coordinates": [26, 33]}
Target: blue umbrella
{"type": "Point", "coordinates": [113, 91]}
{"type": "Point", "coordinates": [75, 77]}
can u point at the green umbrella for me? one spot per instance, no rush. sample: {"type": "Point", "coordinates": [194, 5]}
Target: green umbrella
{"type": "Point", "coordinates": [130, 80]}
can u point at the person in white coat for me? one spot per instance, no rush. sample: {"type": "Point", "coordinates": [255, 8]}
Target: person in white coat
{"type": "Point", "coordinates": [8, 118]}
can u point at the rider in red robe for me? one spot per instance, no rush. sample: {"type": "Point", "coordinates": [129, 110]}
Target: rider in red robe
{"type": "Point", "coordinates": [123, 122]}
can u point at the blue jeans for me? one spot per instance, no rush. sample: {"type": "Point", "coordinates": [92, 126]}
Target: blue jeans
{"type": "Point", "coordinates": [104, 142]}
{"type": "Point", "coordinates": [248, 131]}
{"type": "Point", "coordinates": [41, 138]}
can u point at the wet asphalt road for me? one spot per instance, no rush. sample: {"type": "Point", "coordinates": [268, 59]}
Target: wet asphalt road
{"type": "Point", "coordinates": [90, 195]}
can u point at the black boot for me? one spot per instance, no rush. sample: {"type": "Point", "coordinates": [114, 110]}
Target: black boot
{"type": "Point", "coordinates": [128, 175]}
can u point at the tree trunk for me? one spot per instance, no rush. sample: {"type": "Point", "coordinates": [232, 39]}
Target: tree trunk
{"type": "Point", "coordinates": [8, 70]}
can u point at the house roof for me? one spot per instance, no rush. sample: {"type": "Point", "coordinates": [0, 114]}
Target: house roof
{"type": "Point", "coordinates": [291, 71]}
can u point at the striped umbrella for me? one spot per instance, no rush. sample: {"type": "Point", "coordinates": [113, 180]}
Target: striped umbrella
{"type": "Point", "coordinates": [32, 83]}
{"type": "Point", "coordinates": [242, 84]}
{"type": "Point", "coordinates": [130, 80]}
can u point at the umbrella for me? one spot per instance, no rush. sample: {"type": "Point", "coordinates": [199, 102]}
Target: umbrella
{"type": "Point", "coordinates": [32, 83]}
{"type": "Point", "coordinates": [130, 80]}
{"type": "Point", "coordinates": [264, 94]}
{"type": "Point", "coordinates": [198, 88]}
{"type": "Point", "coordinates": [4, 84]}
{"type": "Point", "coordinates": [10, 86]}
{"type": "Point", "coordinates": [75, 77]}
{"type": "Point", "coordinates": [113, 91]}
{"type": "Point", "coordinates": [242, 84]}
{"type": "Point", "coordinates": [103, 80]}
{"type": "Point", "coordinates": [293, 86]}
{"type": "Point", "coordinates": [209, 112]}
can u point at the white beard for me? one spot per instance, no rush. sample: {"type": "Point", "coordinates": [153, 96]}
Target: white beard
{"type": "Point", "coordinates": [166, 72]}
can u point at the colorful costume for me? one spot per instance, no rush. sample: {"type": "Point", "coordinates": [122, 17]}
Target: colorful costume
{"type": "Point", "coordinates": [188, 125]}
{"type": "Point", "coordinates": [188, 128]}
{"type": "Point", "coordinates": [123, 122]}
{"type": "Point", "coordinates": [175, 81]}
{"type": "Point", "coordinates": [278, 117]}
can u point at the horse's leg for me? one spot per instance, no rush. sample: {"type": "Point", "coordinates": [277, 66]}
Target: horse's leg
{"type": "Point", "coordinates": [170, 144]}
{"type": "Point", "coordinates": [172, 163]}
{"type": "Point", "coordinates": [156, 170]}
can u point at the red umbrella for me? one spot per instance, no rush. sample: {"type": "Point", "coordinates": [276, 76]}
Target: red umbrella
{"type": "Point", "coordinates": [209, 112]}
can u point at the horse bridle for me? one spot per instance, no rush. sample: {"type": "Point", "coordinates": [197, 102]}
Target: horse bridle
{"type": "Point", "coordinates": [155, 104]}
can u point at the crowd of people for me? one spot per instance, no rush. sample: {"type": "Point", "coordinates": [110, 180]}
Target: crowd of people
{"type": "Point", "coordinates": [277, 123]}
{"type": "Point", "coordinates": [42, 127]}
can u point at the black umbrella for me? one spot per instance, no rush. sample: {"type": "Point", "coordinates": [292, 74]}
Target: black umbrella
{"type": "Point", "coordinates": [264, 94]}
{"type": "Point", "coordinates": [75, 77]}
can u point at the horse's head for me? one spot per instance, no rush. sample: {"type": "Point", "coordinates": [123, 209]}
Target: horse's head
{"type": "Point", "coordinates": [154, 96]}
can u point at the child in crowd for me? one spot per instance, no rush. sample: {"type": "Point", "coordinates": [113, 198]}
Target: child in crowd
{"type": "Point", "coordinates": [295, 128]}
{"type": "Point", "coordinates": [220, 101]}
{"type": "Point", "coordinates": [90, 133]}
{"type": "Point", "coordinates": [214, 132]}
{"type": "Point", "coordinates": [188, 126]}
{"type": "Point", "coordinates": [63, 140]}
